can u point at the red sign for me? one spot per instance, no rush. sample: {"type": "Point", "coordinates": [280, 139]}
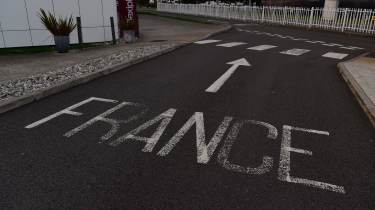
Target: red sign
{"type": "Point", "coordinates": [127, 11]}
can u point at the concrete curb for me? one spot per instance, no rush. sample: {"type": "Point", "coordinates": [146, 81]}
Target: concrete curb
{"type": "Point", "coordinates": [367, 105]}
{"type": "Point", "coordinates": [15, 102]}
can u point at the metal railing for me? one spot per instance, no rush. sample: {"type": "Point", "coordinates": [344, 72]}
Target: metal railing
{"type": "Point", "coordinates": [342, 19]}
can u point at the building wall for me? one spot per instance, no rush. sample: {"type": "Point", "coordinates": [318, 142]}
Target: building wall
{"type": "Point", "coordinates": [20, 25]}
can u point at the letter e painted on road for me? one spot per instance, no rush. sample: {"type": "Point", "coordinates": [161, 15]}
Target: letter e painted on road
{"type": "Point", "coordinates": [284, 167]}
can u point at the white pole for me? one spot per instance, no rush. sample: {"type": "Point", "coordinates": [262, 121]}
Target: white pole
{"type": "Point", "coordinates": [329, 6]}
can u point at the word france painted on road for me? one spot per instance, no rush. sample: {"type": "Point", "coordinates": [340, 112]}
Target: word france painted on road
{"type": "Point", "coordinates": [205, 150]}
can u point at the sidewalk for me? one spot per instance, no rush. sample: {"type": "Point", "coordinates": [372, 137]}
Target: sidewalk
{"type": "Point", "coordinates": [24, 78]}
{"type": "Point", "coordinates": [360, 76]}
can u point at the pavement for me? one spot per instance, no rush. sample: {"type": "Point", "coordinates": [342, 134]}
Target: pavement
{"type": "Point", "coordinates": [360, 76]}
{"type": "Point", "coordinates": [28, 78]}
{"type": "Point", "coordinates": [255, 118]}
{"type": "Point", "coordinates": [152, 32]}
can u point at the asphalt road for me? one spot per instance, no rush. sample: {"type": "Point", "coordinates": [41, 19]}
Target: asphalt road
{"type": "Point", "coordinates": [284, 133]}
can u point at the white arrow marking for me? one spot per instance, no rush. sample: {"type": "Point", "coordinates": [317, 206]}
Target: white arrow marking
{"type": "Point", "coordinates": [219, 82]}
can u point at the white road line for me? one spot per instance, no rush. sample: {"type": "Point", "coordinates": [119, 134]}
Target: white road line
{"type": "Point", "coordinates": [220, 82]}
{"type": "Point", "coordinates": [332, 45]}
{"type": "Point", "coordinates": [231, 44]}
{"type": "Point", "coordinates": [335, 55]}
{"type": "Point", "coordinates": [261, 47]}
{"type": "Point", "coordinates": [207, 41]}
{"type": "Point", "coordinates": [295, 52]}
{"type": "Point", "coordinates": [352, 48]}
{"type": "Point", "coordinates": [315, 42]}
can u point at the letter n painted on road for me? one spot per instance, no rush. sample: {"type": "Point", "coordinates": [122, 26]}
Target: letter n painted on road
{"type": "Point", "coordinates": [204, 151]}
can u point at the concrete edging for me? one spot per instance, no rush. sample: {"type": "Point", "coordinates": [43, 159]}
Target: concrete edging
{"type": "Point", "coordinates": [364, 101]}
{"type": "Point", "coordinates": [15, 102]}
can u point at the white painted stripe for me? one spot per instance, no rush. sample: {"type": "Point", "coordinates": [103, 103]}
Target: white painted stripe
{"type": "Point", "coordinates": [207, 41]}
{"type": "Point", "coordinates": [295, 52]}
{"type": "Point", "coordinates": [332, 45]}
{"type": "Point", "coordinates": [335, 55]}
{"type": "Point", "coordinates": [352, 48]}
{"type": "Point", "coordinates": [69, 111]}
{"type": "Point", "coordinates": [231, 44]}
{"type": "Point", "coordinates": [284, 170]}
{"type": "Point", "coordinates": [358, 48]}
{"type": "Point", "coordinates": [262, 47]}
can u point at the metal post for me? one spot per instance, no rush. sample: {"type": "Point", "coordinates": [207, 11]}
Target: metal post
{"type": "Point", "coordinates": [311, 17]}
{"type": "Point", "coordinates": [79, 30]}
{"type": "Point", "coordinates": [284, 15]}
{"type": "Point", "coordinates": [344, 21]}
{"type": "Point", "coordinates": [113, 31]}
{"type": "Point", "coordinates": [262, 14]}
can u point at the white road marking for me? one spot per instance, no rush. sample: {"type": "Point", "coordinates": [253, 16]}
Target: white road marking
{"type": "Point", "coordinates": [207, 41]}
{"type": "Point", "coordinates": [114, 123]}
{"type": "Point", "coordinates": [352, 48]}
{"type": "Point", "coordinates": [262, 47]}
{"type": "Point", "coordinates": [284, 166]}
{"type": "Point", "coordinates": [219, 82]}
{"type": "Point", "coordinates": [204, 151]}
{"type": "Point", "coordinates": [231, 44]}
{"type": "Point", "coordinates": [223, 156]}
{"type": "Point", "coordinates": [332, 45]}
{"type": "Point", "coordinates": [295, 52]}
{"type": "Point", "coordinates": [335, 55]}
{"type": "Point", "coordinates": [165, 119]}
{"type": "Point", "coordinates": [69, 111]}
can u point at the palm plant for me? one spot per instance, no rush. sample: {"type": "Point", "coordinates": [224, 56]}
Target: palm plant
{"type": "Point", "coordinates": [57, 26]}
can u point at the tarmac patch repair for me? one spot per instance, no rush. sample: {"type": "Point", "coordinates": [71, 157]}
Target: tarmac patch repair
{"type": "Point", "coordinates": [205, 150]}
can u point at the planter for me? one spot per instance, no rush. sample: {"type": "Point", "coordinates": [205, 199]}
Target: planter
{"type": "Point", "coordinates": [62, 44]}
{"type": "Point", "coordinates": [129, 36]}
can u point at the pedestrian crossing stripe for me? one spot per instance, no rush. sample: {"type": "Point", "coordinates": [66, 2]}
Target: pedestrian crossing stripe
{"type": "Point", "coordinates": [207, 41]}
{"type": "Point", "coordinates": [262, 47]}
{"type": "Point", "coordinates": [335, 55]}
{"type": "Point", "coordinates": [231, 44]}
{"type": "Point", "coordinates": [295, 52]}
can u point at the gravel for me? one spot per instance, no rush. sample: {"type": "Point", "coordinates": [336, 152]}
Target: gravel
{"type": "Point", "coordinates": [16, 88]}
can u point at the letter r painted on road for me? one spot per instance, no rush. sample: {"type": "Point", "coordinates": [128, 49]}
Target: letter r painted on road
{"type": "Point", "coordinates": [284, 166]}
{"type": "Point", "coordinates": [114, 123]}
{"type": "Point", "coordinates": [69, 111]}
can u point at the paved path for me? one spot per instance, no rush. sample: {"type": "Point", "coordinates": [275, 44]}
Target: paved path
{"type": "Point", "coordinates": [279, 129]}
{"type": "Point", "coordinates": [152, 28]}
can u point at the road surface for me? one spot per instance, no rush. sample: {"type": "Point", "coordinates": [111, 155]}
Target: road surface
{"type": "Point", "coordinates": [255, 118]}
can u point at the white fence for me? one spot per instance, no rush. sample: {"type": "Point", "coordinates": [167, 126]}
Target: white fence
{"type": "Point", "coordinates": [344, 20]}
{"type": "Point", "coordinates": [20, 25]}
